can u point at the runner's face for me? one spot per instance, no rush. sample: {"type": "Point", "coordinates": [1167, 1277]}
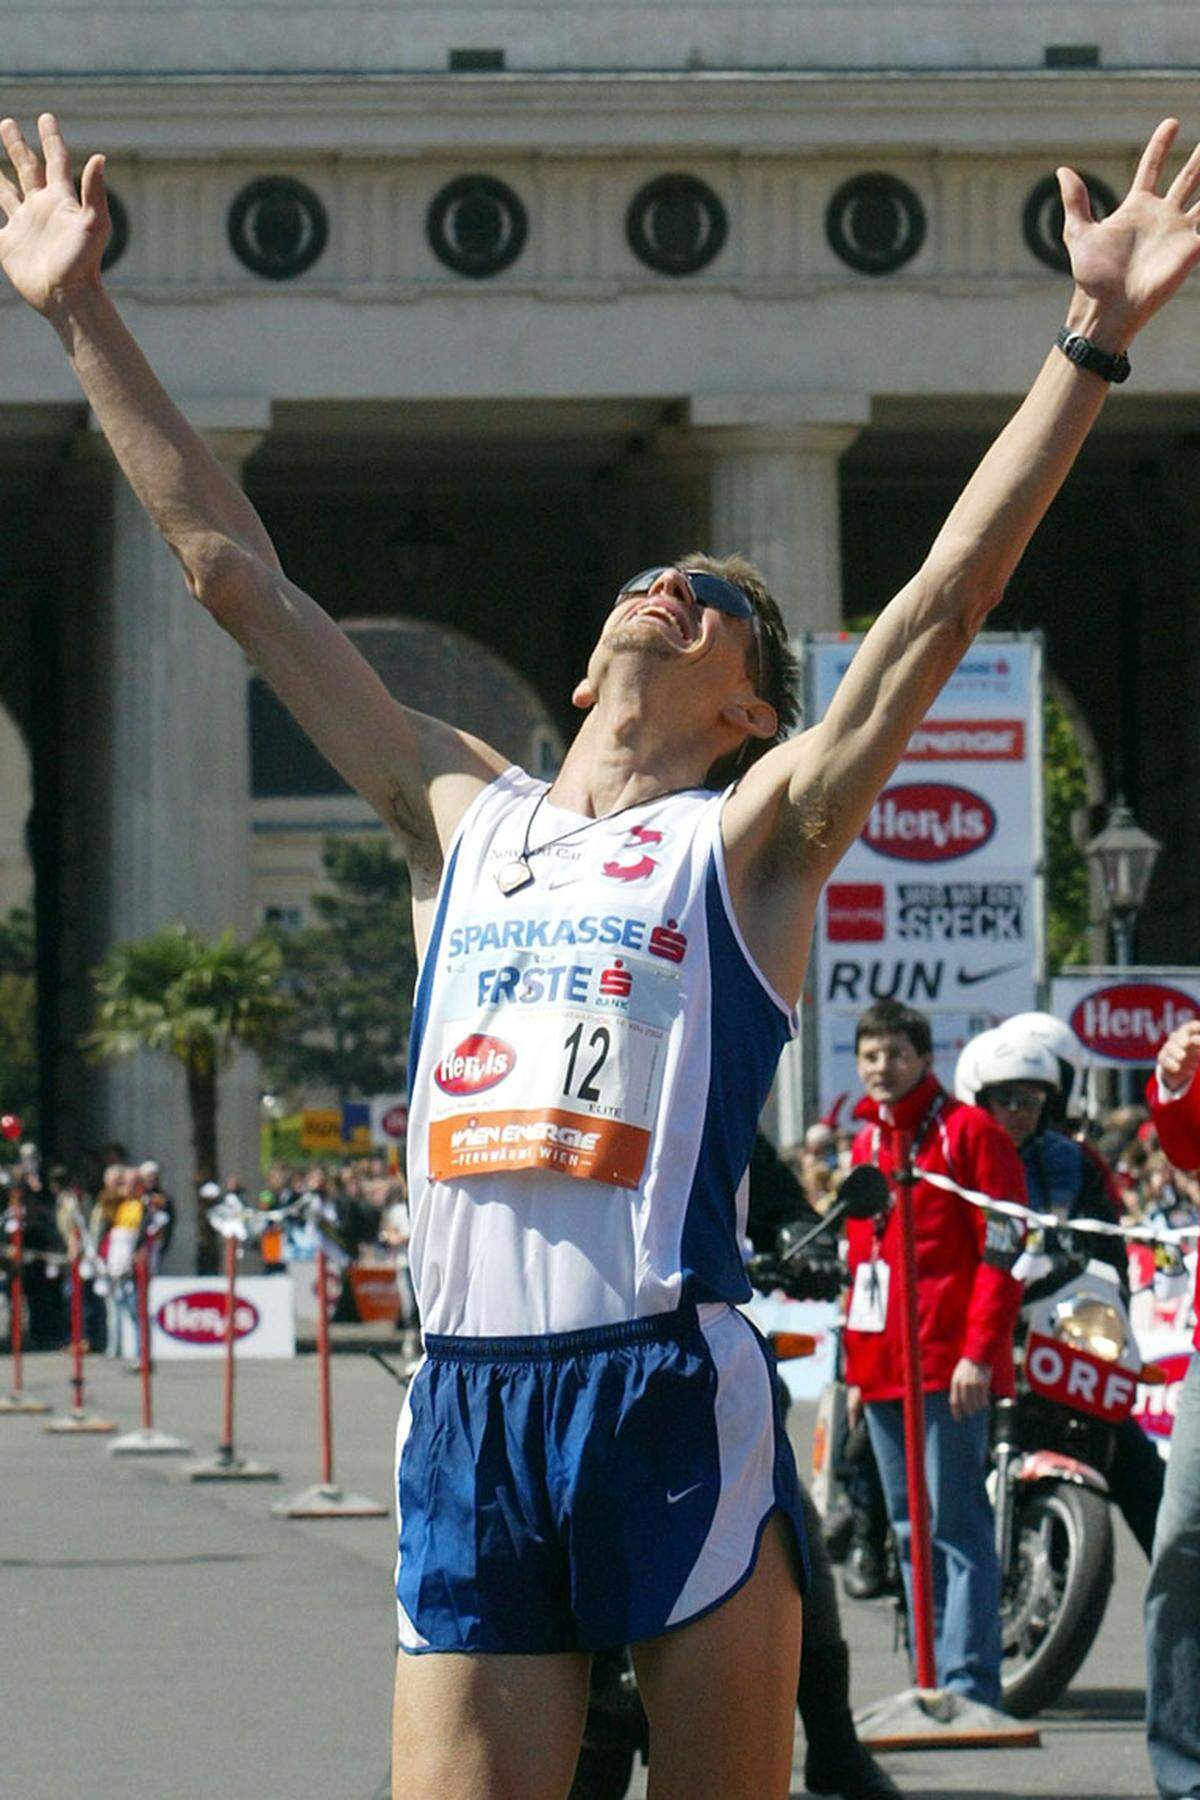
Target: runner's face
{"type": "Point", "coordinates": [889, 1066]}
{"type": "Point", "coordinates": [667, 624]}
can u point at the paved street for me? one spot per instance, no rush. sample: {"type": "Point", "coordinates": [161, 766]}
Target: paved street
{"type": "Point", "coordinates": [173, 1641]}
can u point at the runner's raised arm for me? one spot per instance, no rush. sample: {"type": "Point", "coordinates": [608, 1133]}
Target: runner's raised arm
{"type": "Point", "coordinates": [418, 773]}
{"type": "Point", "coordinates": [798, 809]}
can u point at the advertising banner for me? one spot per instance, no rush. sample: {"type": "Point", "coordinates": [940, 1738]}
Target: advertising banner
{"type": "Point", "coordinates": [388, 1119]}
{"type": "Point", "coordinates": [1121, 1016]}
{"type": "Point", "coordinates": [939, 902]}
{"type": "Point", "coordinates": [188, 1313]}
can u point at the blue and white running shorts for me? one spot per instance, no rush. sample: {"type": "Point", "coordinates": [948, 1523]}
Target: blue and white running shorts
{"type": "Point", "coordinates": [586, 1489]}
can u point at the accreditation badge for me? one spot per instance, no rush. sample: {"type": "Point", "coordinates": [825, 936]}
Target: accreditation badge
{"type": "Point", "coordinates": [869, 1298]}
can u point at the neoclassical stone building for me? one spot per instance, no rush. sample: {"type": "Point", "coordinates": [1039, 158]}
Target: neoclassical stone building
{"type": "Point", "coordinates": [488, 305]}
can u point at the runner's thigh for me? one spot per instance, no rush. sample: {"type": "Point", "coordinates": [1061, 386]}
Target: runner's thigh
{"type": "Point", "coordinates": [720, 1693]}
{"type": "Point", "coordinates": [487, 1727]}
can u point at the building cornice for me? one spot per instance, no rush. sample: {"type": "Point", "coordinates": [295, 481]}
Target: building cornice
{"type": "Point", "coordinates": [803, 112]}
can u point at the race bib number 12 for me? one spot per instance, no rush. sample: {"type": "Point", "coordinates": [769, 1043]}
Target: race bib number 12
{"type": "Point", "coordinates": [568, 1089]}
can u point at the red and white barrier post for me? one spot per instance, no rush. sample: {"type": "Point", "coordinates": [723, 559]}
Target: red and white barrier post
{"type": "Point", "coordinates": [146, 1441]}
{"type": "Point", "coordinates": [227, 1465]}
{"type": "Point", "coordinates": [77, 1419]}
{"type": "Point", "coordinates": [926, 1717]}
{"type": "Point", "coordinates": [16, 1400]}
{"type": "Point", "coordinates": [326, 1500]}
{"type": "Point", "coordinates": [914, 1440]}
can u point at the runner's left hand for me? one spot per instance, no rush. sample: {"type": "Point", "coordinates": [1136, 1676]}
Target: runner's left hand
{"type": "Point", "coordinates": [1128, 265]}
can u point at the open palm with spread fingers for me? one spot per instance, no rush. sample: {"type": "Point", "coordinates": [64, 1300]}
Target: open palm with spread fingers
{"type": "Point", "coordinates": [53, 237]}
{"type": "Point", "coordinates": [1132, 262]}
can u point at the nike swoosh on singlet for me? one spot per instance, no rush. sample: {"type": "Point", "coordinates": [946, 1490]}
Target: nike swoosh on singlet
{"type": "Point", "coordinates": [683, 1493]}
{"type": "Point", "coordinates": [969, 978]}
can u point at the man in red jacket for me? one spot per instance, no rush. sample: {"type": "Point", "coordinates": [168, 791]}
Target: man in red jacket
{"type": "Point", "coordinates": [967, 1305]}
{"type": "Point", "coordinates": [1173, 1595]}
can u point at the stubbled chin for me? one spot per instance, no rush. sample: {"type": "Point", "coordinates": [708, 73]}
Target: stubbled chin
{"type": "Point", "coordinates": [629, 640]}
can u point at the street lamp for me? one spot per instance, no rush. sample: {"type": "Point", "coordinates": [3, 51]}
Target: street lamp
{"type": "Point", "coordinates": [1124, 856]}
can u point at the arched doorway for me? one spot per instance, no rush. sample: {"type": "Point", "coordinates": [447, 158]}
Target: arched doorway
{"type": "Point", "coordinates": [298, 800]}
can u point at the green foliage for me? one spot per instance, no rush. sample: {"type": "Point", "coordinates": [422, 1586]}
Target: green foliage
{"type": "Point", "coordinates": [17, 956]}
{"type": "Point", "coordinates": [199, 1000]}
{"type": "Point", "coordinates": [350, 978]}
{"type": "Point", "coordinates": [1064, 792]}
{"type": "Point", "coordinates": [18, 1024]}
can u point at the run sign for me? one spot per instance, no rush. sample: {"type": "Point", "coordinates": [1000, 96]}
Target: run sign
{"type": "Point", "coordinates": [939, 902]}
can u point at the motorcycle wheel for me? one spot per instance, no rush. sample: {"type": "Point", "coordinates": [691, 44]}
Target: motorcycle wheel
{"type": "Point", "coordinates": [1055, 1592]}
{"type": "Point", "coordinates": [602, 1773]}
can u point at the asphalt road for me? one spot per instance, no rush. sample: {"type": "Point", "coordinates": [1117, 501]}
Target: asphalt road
{"type": "Point", "coordinates": [174, 1641]}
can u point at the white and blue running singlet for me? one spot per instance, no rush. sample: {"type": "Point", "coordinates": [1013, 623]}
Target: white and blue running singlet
{"type": "Point", "coordinates": [589, 1059]}
{"type": "Point", "coordinates": [592, 1445]}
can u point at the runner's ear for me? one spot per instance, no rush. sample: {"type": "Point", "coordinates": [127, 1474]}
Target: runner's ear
{"type": "Point", "coordinates": [584, 696]}
{"type": "Point", "coordinates": [756, 716]}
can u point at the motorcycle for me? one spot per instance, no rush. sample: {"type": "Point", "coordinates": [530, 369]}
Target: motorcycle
{"type": "Point", "coordinates": [616, 1731]}
{"type": "Point", "coordinates": [1078, 1373]}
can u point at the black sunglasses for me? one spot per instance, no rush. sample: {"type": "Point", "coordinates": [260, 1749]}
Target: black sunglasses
{"type": "Point", "coordinates": [707, 590]}
{"type": "Point", "coordinates": [1016, 1099]}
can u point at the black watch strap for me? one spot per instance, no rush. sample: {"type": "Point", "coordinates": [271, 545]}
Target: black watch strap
{"type": "Point", "coordinates": [1081, 350]}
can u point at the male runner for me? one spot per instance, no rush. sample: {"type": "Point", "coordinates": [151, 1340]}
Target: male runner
{"type": "Point", "coordinates": [544, 1507]}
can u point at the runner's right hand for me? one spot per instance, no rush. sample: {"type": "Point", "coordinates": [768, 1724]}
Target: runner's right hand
{"type": "Point", "coordinates": [53, 240]}
{"type": "Point", "coordinates": [1179, 1056]}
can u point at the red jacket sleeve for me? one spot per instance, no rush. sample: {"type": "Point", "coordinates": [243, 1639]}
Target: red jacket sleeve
{"type": "Point", "coordinates": [991, 1166]}
{"type": "Point", "coordinates": [1177, 1123]}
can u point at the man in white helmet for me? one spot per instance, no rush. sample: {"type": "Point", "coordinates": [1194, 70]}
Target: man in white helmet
{"type": "Point", "coordinates": [1018, 1079]}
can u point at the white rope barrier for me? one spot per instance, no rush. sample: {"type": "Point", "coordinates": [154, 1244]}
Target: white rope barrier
{"type": "Point", "coordinates": [1014, 1209]}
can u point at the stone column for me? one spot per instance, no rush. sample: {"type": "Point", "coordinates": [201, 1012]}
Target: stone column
{"type": "Point", "coordinates": [176, 836]}
{"type": "Point", "coordinates": [773, 473]}
{"type": "Point", "coordinates": [774, 491]}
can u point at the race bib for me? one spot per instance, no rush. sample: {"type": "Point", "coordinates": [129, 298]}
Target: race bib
{"type": "Point", "coordinates": [562, 1070]}
{"type": "Point", "coordinates": [869, 1299]}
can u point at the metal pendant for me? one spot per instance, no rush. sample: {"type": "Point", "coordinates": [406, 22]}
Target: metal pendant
{"type": "Point", "coordinates": [514, 876]}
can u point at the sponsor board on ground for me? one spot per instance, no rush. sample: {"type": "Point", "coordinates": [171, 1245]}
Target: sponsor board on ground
{"type": "Point", "coordinates": [188, 1316]}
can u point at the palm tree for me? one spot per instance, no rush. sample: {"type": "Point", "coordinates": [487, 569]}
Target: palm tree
{"type": "Point", "coordinates": [198, 999]}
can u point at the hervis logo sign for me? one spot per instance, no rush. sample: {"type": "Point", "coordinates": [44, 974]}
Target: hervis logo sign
{"type": "Point", "coordinates": [928, 822]}
{"type": "Point", "coordinates": [1128, 1020]}
{"type": "Point", "coordinates": [199, 1317]}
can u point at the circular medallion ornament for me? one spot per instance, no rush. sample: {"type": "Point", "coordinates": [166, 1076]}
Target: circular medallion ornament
{"type": "Point", "coordinates": [477, 226]}
{"type": "Point", "coordinates": [875, 223]}
{"type": "Point", "coordinates": [118, 243]}
{"type": "Point", "coordinates": [1042, 219]}
{"type": "Point", "coordinates": [278, 227]}
{"type": "Point", "coordinates": [676, 225]}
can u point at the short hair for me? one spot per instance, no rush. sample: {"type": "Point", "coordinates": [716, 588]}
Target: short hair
{"type": "Point", "coordinates": [779, 675]}
{"type": "Point", "coordinates": [891, 1018]}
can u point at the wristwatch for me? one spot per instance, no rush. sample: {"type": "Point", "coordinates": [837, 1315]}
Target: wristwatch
{"type": "Point", "coordinates": [1078, 349]}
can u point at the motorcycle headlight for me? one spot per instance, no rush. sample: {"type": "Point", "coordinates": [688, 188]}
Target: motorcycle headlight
{"type": "Point", "coordinates": [1093, 1325]}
